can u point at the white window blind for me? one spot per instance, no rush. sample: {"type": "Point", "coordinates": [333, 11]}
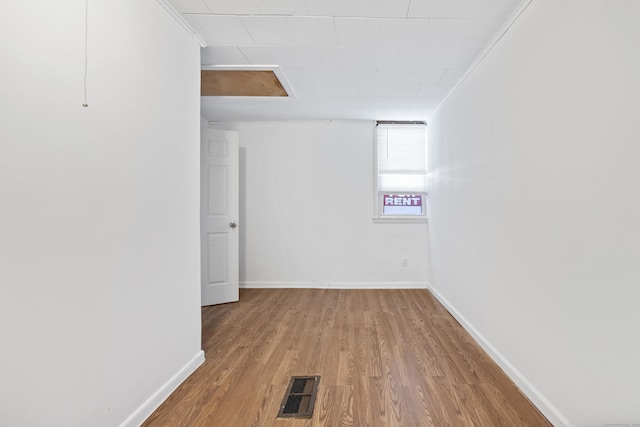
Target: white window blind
{"type": "Point", "coordinates": [402, 158]}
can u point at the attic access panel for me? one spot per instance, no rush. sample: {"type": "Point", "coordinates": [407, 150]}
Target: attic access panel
{"type": "Point", "coordinates": [241, 83]}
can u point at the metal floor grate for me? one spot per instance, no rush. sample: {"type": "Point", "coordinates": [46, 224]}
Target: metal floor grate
{"type": "Point", "coordinates": [300, 397]}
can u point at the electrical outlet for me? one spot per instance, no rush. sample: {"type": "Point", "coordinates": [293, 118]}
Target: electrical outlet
{"type": "Point", "coordinates": [405, 262]}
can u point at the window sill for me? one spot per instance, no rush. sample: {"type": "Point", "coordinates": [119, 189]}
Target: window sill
{"type": "Point", "coordinates": [400, 220]}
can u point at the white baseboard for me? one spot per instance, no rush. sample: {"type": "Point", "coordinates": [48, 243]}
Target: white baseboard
{"type": "Point", "coordinates": [535, 396]}
{"type": "Point", "coordinates": [334, 285]}
{"type": "Point", "coordinates": [152, 403]}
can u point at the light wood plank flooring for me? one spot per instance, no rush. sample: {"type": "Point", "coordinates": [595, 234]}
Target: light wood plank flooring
{"type": "Point", "coordinates": [386, 358]}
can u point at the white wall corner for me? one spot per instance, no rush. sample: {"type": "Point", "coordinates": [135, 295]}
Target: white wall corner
{"type": "Point", "coordinates": [533, 394]}
{"type": "Point", "coordinates": [184, 24]}
{"type": "Point", "coordinates": [155, 400]}
{"type": "Point", "coordinates": [520, 8]}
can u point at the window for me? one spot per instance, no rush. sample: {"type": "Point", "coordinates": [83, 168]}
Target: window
{"type": "Point", "coordinates": [401, 170]}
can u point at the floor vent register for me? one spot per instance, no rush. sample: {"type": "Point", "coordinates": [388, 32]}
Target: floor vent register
{"type": "Point", "coordinates": [300, 397]}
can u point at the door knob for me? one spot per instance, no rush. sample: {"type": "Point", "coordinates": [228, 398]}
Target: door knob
{"type": "Point", "coordinates": [232, 224]}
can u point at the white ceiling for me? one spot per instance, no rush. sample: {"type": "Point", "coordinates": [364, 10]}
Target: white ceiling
{"type": "Point", "coordinates": [344, 59]}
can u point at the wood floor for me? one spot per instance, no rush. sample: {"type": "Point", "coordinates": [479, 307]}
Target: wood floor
{"type": "Point", "coordinates": [385, 357]}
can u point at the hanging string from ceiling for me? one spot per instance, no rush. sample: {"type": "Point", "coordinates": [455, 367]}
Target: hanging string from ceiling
{"type": "Point", "coordinates": [86, 50]}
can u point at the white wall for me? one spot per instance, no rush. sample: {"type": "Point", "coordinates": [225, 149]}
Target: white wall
{"type": "Point", "coordinates": [534, 195]}
{"type": "Point", "coordinates": [307, 207]}
{"type": "Point", "coordinates": [99, 240]}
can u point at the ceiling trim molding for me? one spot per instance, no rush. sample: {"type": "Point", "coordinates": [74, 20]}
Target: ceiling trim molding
{"type": "Point", "coordinates": [180, 20]}
{"type": "Point", "coordinates": [488, 48]}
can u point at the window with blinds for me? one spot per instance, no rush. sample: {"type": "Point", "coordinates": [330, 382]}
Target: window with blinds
{"type": "Point", "coordinates": [401, 169]}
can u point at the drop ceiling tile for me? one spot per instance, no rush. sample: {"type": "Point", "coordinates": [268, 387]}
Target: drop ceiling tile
{"type": "Point", "coordinates": [232, 7]}
{"type": "Point", "coordinates": [220, 30]}
{"type": "Point", "coordinates": [398, 102]}
{"type": "Point", "coordinates": [447, 33]}
{"type": "Point", "coordinates": [269, 31]}
{"type": "Point", "coordinates": [438, 9]}
{"type": "Point", "coordinates": [342, 91]}
{"type": "Point", "coordinates": [282, 7]}
{"type": "Point", "coordinates": [291, 31]}
{"type": "Point", "coordinates": [383, 8]}
{"type": "Point", "coordinates": [305, 78]}
{"type": "Point", "coordinates": [222, 55]}
{"type": "Point", "coordinates": [358, 56]}
{"type": "Point", "coordinates": [373, 90]}
{"type": "Point", "coordinates": [375, 32]}
{"type": "Point", "coordinates": [355, 101]}
{"type": "Point", "coordinates": [350, 75]}
{"type": "Point", "coordinates": [403, 32]}
{"type": "Point", "coordinates": [369, 62]}
{"type": "Point", "coordinates": [429, 58]}
{"type": "Point", "coordinates": [432, 102]}
{"type": "Point", "coordinates": [358, 32]}
{"type": "Point", "coordinates": [190, 6]}
{"type": "Point", "coordinates": [451, 76]}
{"type": "Point", "coordinates": [418, 58]}
{"type": "Point", "coordinates": [459, 33]}
{"type": "Point", "coordinates": [487, 9]}
{"type": "Point", "coordinates": [481, 33]}
{"type": "Point", "coordinates": [434, 91]}
{"type": "Point", "coordinates": [333, 7]}
{"type": "Point", "coordinates": [407, 91]}
{"type": "Point", "coordinates": [311, 84]}
{"type": "Point", "coordinates": [409, 76]}
{"type": "Point", "coordinates": [257, 7]}
{"type": "Point", "coordinates": [282, 56]}
{"type": "Point", "coordinates": [314, 31]}
{"type": "Point", "coordinates": [391, 91]}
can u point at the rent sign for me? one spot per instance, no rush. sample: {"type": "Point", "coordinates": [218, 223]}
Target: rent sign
{"type": "Point", "coordinates": [402, 204]}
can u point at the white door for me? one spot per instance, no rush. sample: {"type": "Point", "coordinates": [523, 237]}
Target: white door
{"type": "Point", "coordinates": [219, 216]}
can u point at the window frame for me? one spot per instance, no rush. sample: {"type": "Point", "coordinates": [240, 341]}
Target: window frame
{"type": "Point", "coordinates": [378, 216]}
